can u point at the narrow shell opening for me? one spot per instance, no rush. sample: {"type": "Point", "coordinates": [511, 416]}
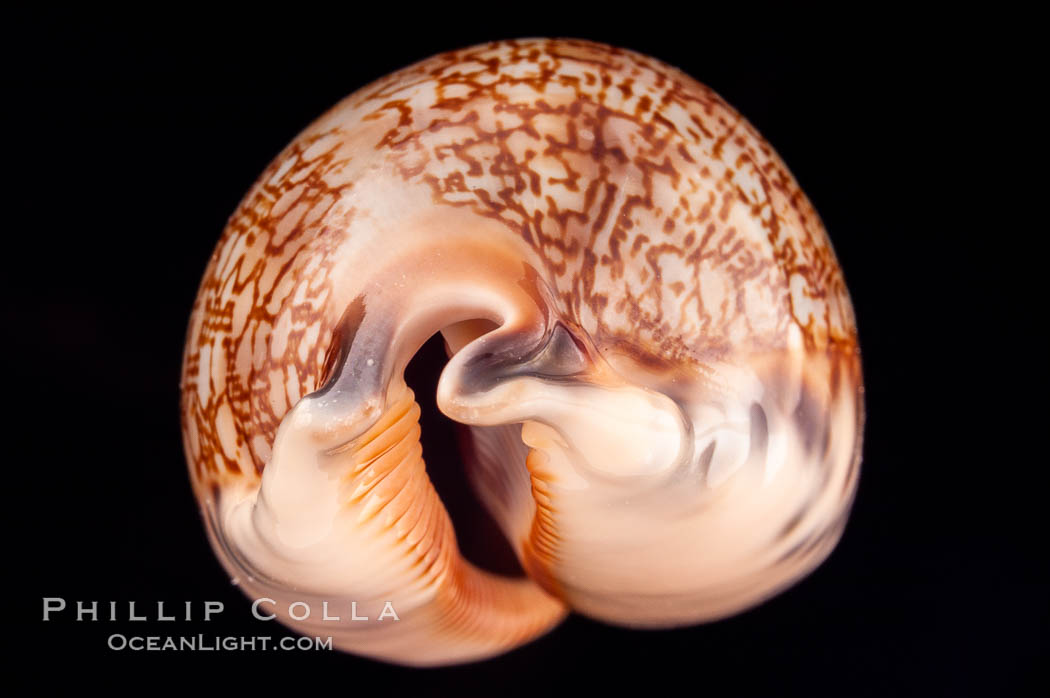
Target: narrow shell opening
{"type": "Point", "coordinates": [445, 446]}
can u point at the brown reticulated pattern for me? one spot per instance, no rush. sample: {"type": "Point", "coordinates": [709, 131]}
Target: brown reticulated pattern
{"type": "Point", "coordinates": [666, 225]}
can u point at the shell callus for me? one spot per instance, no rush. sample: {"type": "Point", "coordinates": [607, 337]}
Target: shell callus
{"type": "Point", "coordinates": [649, 338]}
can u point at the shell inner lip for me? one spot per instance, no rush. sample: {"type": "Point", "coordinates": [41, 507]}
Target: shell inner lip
{"type": "Point", "coordinates": [447, 448]}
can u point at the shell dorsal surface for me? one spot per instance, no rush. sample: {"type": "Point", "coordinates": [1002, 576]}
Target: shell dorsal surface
{"type": "Point", "coordinates": [649, 335]}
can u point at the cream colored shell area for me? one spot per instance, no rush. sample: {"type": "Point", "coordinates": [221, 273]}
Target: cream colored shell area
{"type": "Point", "coordinates": [702, 456]}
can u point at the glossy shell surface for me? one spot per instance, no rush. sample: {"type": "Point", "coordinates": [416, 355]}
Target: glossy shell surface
{"type": "Point", "coordinates": [649, 336]}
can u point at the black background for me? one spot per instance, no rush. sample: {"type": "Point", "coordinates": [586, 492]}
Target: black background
{"type": "Point", "coordinates": [132, 137]}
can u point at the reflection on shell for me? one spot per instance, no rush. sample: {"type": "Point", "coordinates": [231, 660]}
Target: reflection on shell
{"type": "Point", "coordinates": [649, 336]}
